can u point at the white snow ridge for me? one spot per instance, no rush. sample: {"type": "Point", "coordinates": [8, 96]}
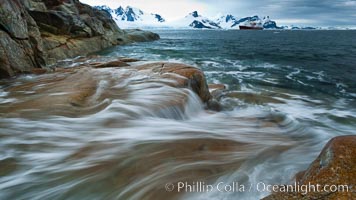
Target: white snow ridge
{"type": "Point", "coordinates": [131, 17]}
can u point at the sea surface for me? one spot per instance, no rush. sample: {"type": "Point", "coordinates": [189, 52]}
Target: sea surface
{"type": "Point", "coordinates": [289, 92]}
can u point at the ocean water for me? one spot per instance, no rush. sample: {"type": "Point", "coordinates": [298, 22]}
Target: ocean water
{"type": "Point", "coordinates": [321, 62]}
{"type": "Point", "coordinates": [289, 92]}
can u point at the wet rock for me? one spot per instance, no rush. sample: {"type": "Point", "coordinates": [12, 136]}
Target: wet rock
{"type": "Point", "coordinates": [334, 166]}
{"type": "Point", "coordinates": [213, 87]}
{"type": "Point", "coordinates": [81, 90]}
{"type": "Point", "coordinates": [128, 60]}
{"type": "Point", "coordinates": [216, 91]}
{"type": "Point", "coordinates": [184, 76]}
{"type": "Point", "coordinates": [137, 35]}
{"type": "Point", "coordinates": [195, 78]}
{"type": "Point", "coordinates": [63, 93]}
{"type": "Point", "coordinates": [115, 63]}
{"type": "Point", "coordinates": [253, 98]}
{"type": "Point", "coordinates": [214, 105]}
{"type": "Point", "coordinates": [7, 166]}
{"type": "Point", "coordinates": [39, 71]}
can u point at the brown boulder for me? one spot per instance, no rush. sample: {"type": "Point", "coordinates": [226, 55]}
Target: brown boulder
{"type": "Point", "coordinates": [196, 78]}
{"type": "Point", "coordinates": [137, 35]}
{"type": "Point", "coordinates": [216, 91]}
{"type": "Point", "coordinates": [334, 166]}
{"type": "Point", "coordinates": [184, 76]}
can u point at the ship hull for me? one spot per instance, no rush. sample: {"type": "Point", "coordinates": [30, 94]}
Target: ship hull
{"type": "Point", "coordinates": [250, 28]}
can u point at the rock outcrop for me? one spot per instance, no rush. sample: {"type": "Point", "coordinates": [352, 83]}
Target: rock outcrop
{"type": "Point", "coordinates": [185, 76]}
{"type": "Point", "coordinates": [334, 166]}
{"type": "Point", "coordinates": [74, 91]}
{"type": "Point", "coordinates": [35, 33]}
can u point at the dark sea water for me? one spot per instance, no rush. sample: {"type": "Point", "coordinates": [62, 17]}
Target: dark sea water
{"type": "Point", "coordinates": [312, 62]}
{"type": "Point", "coordinates": [289, 92]}
{"type": "Point", "coordinates": [317, 68]}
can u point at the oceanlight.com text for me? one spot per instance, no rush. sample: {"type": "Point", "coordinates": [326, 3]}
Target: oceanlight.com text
{"type": "Point", "coordinates": [201, 187]}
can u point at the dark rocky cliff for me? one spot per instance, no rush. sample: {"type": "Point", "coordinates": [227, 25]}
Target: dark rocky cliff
{"type": "Point", "coordinates": [35, 33]}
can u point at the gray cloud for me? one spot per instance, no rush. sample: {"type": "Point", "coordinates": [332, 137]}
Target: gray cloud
{"type": "Point", "coordinates": [308, 12]}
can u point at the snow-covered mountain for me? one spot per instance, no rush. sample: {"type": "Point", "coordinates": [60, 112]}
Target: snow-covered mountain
{"type": "Point", "coordinates": [232, 22]}
{"type": "Point", "coordinates": [292, 27]}
{"type": "Point", "coordinates": [194, 20]}
{"type": "Point", "coordinates": [131, 17]}
{"type": "Point", "coordinates": [226, 21]}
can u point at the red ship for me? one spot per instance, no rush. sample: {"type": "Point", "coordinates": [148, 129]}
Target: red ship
{"type": "Point", "coordinates": [251, 26]}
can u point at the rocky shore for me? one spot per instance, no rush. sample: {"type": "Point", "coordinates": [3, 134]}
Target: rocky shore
{"type": "Point", "coordinates": [35, 34]}
{"type": "Point", "coordinates": [74, 92]}
{"type": "Point", "coordinates": [77, 88]}
{"type": "Point", "coordinates": [79, 84]}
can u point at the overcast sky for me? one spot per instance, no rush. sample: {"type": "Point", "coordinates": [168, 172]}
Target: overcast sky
{"type": "Point", "coordinates": [285, 12]}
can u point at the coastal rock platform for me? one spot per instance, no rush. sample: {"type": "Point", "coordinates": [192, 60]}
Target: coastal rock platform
{"type": "Point", "coordinates": [78, 90]}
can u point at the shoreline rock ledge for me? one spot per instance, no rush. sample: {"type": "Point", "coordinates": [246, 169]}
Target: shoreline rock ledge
{"type": "Point", "coordinates": [74, 92]}
{"type": "Point", "coordinates": [37, 33]}
{"type": "Point", "coordinates": [335, 166]}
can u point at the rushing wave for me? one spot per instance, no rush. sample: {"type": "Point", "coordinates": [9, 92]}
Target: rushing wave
{"type": "Point", "coordinates": [136, 133]}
